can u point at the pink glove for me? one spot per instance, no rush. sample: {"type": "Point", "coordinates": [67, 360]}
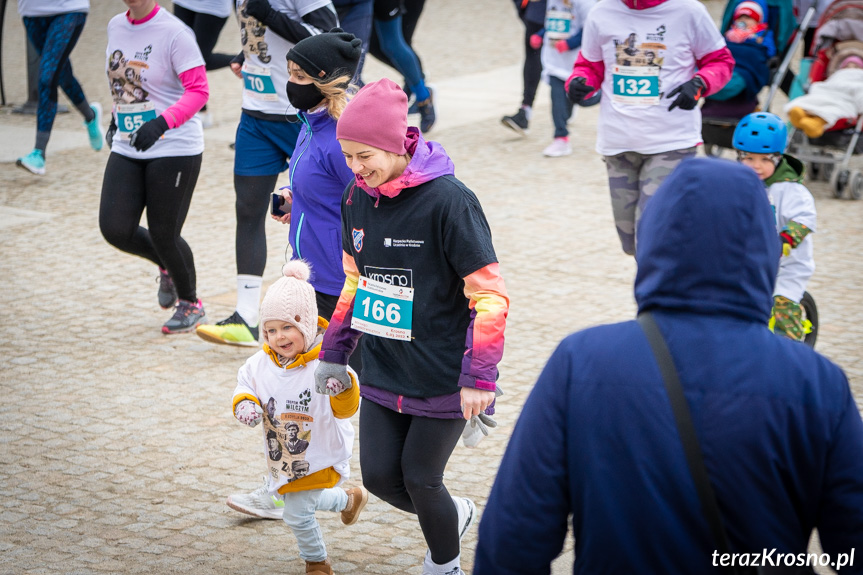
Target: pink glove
{"type": "Point", "coordinates": [248, 412]}
{"type": "Point", "coordinates": [535, 41]}
{"type": "Point", "coordinates": [561, 46]}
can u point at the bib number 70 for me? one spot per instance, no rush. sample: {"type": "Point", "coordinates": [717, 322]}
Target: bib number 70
{"type": "Point", "coordinates": [378, 311]}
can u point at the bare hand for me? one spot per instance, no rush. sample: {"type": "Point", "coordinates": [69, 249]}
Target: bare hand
{"type": "Point", "coordinates": [235, 68]}
{"type": "Point", "coordinates": [289, 200]}
{"type": "Point", "coordinates": [475, 401]}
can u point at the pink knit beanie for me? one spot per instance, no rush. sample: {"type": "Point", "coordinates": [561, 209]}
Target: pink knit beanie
{"type": "Point", "coordinates": [377, 116]}
{"type": "Point", "coordinates": [292, 299]}
{"type": "Point", "coordinates": [856, 60]}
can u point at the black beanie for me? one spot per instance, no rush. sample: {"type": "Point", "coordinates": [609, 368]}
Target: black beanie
{"type": "Point", "coordinates": [333, 53]}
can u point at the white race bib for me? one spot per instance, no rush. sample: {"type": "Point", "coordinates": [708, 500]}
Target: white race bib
{"type": "Point", "coordinates": [130, 117]}
{"type": "Point", "coordinates": [259, 84]}
{"type": "Point", "coordinates": [636, 85]}
{"type": "Point", "coordinates": [383, 310]}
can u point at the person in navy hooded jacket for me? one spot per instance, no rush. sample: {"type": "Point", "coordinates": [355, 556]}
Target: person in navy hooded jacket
{"type": "Point", "coordinates": [780, 433]}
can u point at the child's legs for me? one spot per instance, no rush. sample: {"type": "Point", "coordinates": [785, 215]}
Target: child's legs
{"type": "Point", "coordinates": [788, 318]}
{"type": "Point", "coordinates": [561, 107]}
{"type": "Point", "coordinates": [299, 515]}
{"type": "Point", "coordinates": [623, 183]}
{"type": "Point", "coordinates": [654, 169]}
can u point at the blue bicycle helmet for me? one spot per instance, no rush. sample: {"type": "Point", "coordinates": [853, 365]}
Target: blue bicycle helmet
{"type": "Point", "coordinates": [761, 133]}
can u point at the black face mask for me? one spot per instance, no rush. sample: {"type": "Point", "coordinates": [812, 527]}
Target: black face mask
{"type": "Point", "coordinates": [304, 96]}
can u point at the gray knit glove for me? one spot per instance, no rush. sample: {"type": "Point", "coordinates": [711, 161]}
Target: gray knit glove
{"type": "Point", "coordinates": [479, 425]}
{"type": "Point", "coordinates": [332, 378]}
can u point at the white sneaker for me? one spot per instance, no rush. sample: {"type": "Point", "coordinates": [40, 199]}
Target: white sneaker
{"type": "Point", "coordinates": [258, 503]}
{"type": "Point", "coordinates": [466, 515]}
{"type": "Point", "coordinates": [558, 147]}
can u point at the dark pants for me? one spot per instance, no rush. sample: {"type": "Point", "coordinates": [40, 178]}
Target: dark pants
{"type": "Point", "coordinates": [357, 19]}
{"type": "Point", "coordinates": [403, 459]}
{"type": "Point", "coordinates": [532, 70]}
{"type": "Point", "coordinates": [54, 37]}
{"type": "Point", "coordinates": [162, 186]}
{"type": "Point", "coordinates": [207, 29]}
{"type": "Point", "coordinates": [561, 107]}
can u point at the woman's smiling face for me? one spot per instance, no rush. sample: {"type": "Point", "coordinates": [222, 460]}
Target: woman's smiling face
{"type": "Point", "coordinates": [373, 165]}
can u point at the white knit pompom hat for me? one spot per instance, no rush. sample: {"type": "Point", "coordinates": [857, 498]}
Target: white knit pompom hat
{"type": "Point", "coordinates": [292, 299]}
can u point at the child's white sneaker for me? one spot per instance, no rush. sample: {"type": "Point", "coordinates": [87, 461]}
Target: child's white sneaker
{"type": "Point", "coordinates": [558, 147]}
{"type": "Point", "coordinates": [258, 503]}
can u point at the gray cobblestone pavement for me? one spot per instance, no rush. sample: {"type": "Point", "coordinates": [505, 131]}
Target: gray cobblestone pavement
{"type": "Point", "coordinates": [117, 443]}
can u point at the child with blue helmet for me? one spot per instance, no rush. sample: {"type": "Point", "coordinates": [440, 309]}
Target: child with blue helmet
{"type": "Point", "coordinates": [760, 141]}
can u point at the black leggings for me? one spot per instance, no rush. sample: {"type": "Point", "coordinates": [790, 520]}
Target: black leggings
{"type": "Point", "coordinates": [207, 29]}
{"type": "Point", "coordinates": [253, 209]}
{"type": "Point", "coordinates": [402, 458]}
{"type": "Point", "coordinates": [412, 11]}
{"type": "Point", "coordinates": [162, 186]}
{"type": "Point", "coordinates": [532, 64]}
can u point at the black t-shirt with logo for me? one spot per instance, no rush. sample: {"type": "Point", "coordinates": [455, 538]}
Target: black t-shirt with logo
{"type": "Point", "coordinates": [428, 238]}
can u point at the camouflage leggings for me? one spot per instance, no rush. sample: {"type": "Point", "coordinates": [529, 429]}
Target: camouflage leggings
{"type": "Point", "coordinates": [633, 179]}
{"type": "Point", "coordinates": [788, 318]}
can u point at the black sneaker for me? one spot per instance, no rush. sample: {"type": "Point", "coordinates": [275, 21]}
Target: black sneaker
{"type": "Point", "coordinates": [187, 316]}
{"type": "Point", "coordinates": [427, 113]}
{"type": "Point", "coordinates": [167, 290]}
{"type": "Point", "coordinates": [517, 122]}
{"type": "Point", "coordinates": [232, 331]}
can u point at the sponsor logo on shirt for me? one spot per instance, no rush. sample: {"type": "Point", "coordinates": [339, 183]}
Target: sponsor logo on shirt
{"type": "Point", "coordinates": [659, 36]}
{"type": "Point", "coordinates": [391, 243]}
{"type": "Point", "coordinates": [391, 276]}
{"type": "Point", "coordinates": [145, 55]}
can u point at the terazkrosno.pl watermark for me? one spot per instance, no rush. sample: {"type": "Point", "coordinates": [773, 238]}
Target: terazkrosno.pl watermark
{"type": "Point", "coordinates": [770, 558]}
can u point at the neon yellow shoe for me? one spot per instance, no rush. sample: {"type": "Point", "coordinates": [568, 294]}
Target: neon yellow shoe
{"type": "Point", "coordinates": [231, 331]}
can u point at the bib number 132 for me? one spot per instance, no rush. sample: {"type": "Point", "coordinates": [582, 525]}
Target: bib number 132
{"type": "Point", "coordinates": [382, 309]}
{"type": "Point", "coordinates": [634, 87]}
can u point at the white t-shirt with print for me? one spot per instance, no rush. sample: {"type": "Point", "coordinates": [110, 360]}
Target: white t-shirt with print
{"type": "Point", "coordinates": [563, 18]}
{"type": "Point", "coordinates": [647, 53]}
{"type": "Point", "coordinates": [31, 8]}
{"type": "Point", "coordinates": [218, 8]}
{"type": "Point", "coordinates": [265, 70]}
{"type": "Point", "coordinates": [143, 63]}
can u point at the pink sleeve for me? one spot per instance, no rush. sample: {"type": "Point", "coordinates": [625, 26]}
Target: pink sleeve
{"type": "Point", "coordinates": [715, 69]}
{"type": "Point", "coordinates": [196, 95]}
{"type": "Point", "coordinates": [592, 72]}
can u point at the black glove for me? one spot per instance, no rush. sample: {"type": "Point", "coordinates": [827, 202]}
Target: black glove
{"type": "Point", "coordinates": [258, 9]}
{"type": "Point", "coordinates": [578, 89]}
{"type": "Point", "coordinates": [109, 135]}
{"type": "Point", "coordinates": [688, 94]}
{"type": "Point", "coordinates": [144, 137]}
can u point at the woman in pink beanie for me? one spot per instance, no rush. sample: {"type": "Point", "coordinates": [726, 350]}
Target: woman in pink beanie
{"type": "Point", "coordinates": [423, 284]}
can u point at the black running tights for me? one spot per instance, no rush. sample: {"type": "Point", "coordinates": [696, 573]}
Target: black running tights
{"type": "Point", "coordinates": [162, 186]}
{"type": "Point", "coordinates": [253, 209]}
{"type": "Point", "coordinates": [402, 458]}
{"type": "Point", "coordinates": [206, 28]}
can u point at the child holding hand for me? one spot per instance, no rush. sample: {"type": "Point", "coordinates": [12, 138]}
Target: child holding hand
{"type": "Point", "coordinates": [307, 432]}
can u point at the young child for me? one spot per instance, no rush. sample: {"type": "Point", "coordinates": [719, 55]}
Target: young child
{"type": "Point", "coordinates": [760, 140]}
{"type": "Point", "coordinates": [308, 437]}
{"type": "Point", "coordinates": [751, 42]}
{"type": "Point", "coordinates": [838, 97]}
{"type": "Point", "coordinates": [560, 40]}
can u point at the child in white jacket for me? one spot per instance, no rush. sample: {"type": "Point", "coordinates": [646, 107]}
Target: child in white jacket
{"type": "Point", "coordinates": [307, 433]}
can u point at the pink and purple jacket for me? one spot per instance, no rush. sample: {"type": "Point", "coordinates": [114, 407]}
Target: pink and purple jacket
{"type": "Point", "coordinates": [424, 230]}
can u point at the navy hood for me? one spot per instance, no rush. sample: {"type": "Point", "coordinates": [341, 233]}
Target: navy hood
{"type": "Point", "coordinates": [707, 243]}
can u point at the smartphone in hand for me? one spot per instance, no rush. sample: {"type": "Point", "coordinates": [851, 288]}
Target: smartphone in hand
{"type": "Point", "coordinates": [277, 205]}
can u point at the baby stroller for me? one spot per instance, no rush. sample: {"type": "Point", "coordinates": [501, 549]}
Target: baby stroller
{"type": "Point", "coordinates": [839, 33]}
{"type": "Point", "coordinates": [719, 117]}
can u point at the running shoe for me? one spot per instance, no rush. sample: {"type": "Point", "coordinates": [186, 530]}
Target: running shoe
{"type": "Point", "coordinates": [94, 127]}
{"type": "Point", "coordinates": [518, 122]}
{"type": "Point", "coordinates": [34, 162]}
{"type": "Point", "coordinates": [466, 515]}
{"type": "Point", "coordinates": [232, 331]}
{"type": "Point", "coordinates": [558, 147]}
{"type": "Point", "coordinates": [258, 503]}
{"type": "Point", "coordinates": [167, 290]}
{"type": "Point", "coordinates": [427, 113]}
{"type": "Point", "coordinates": [187, 316]}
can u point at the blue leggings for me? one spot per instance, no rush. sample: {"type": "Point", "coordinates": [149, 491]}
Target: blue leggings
{"type": "Point", "coordinates": [392, 41]}
{"type": "Point", "coordinates": [54, 37]}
